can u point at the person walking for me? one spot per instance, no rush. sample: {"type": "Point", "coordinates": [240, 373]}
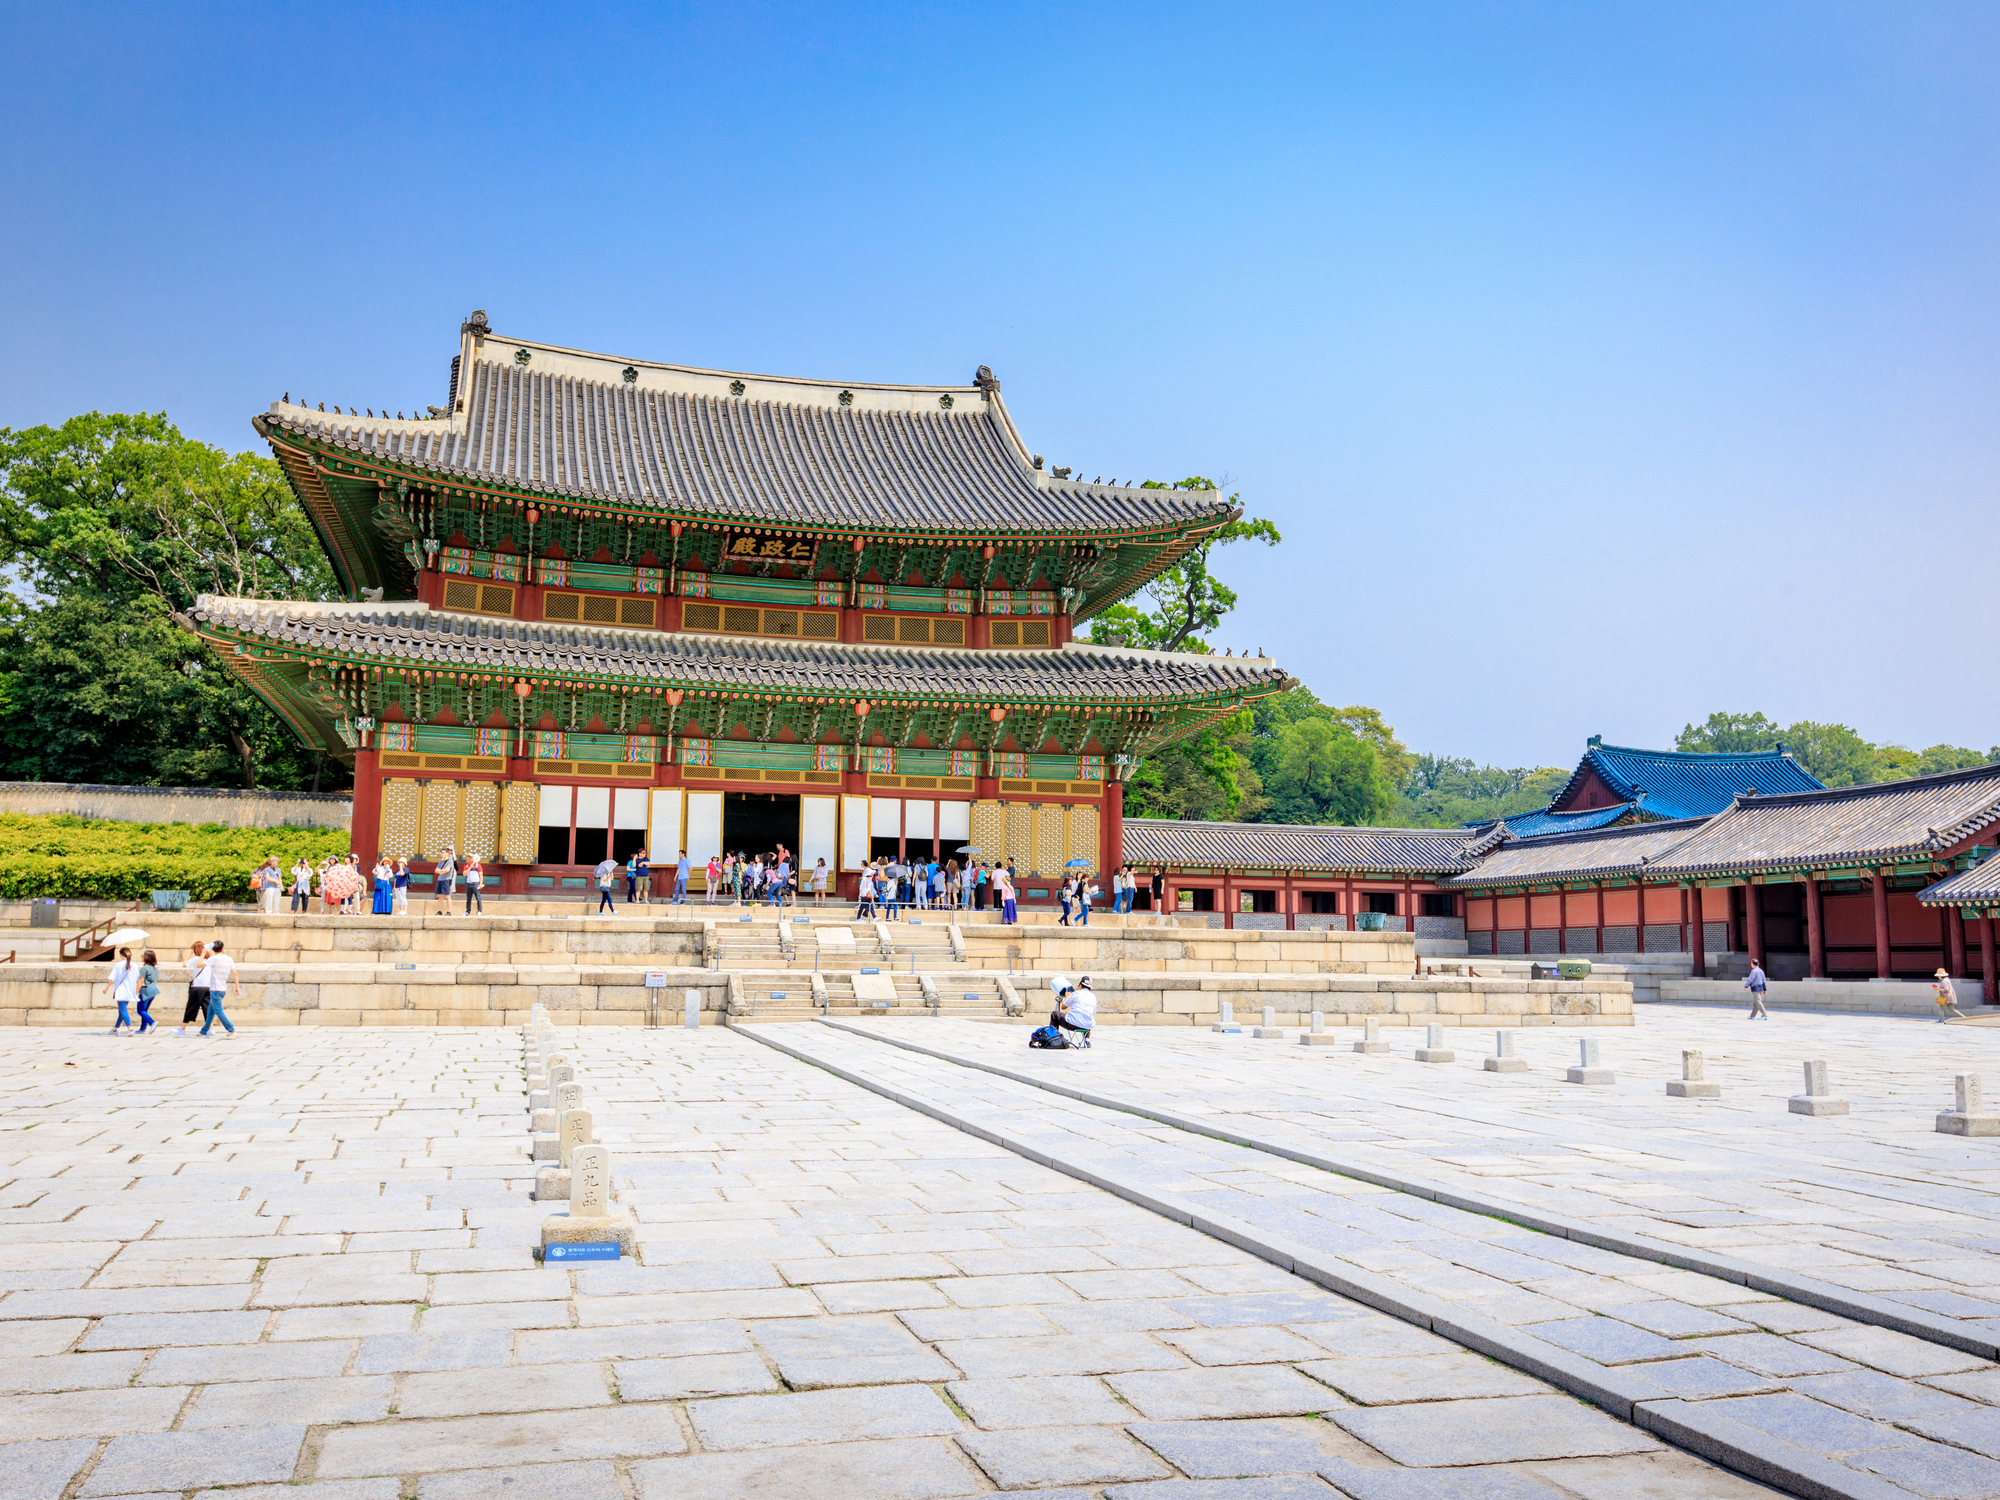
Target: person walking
{"type": "Point", "coordinates": [475, 880]}
{"type": "Point", "coordinates": [607, 879]}
{"type": "Point", "coordinates": [864, 907]}
{"type": "Point", "coordinates": [123, 988]}
{"type": "Point", "coordinates": [1084, 891]}
{"type": "Point", "coordinates": [444, 881]}
{"type": "Point", "coordinates": [149, 989]}
{"type": "Point", "coordinates": [781, 880]}
{"type": "Point", "coordinates": [399, 887]}
{"type": "Point", "coordinates": [221, 972]}
{"type": "Point", "coordinates": [631, 878]}
{"type": "Point", "coordinates": [384, 876]}
{"type": "Point", "coordinates": [1756, 984]}
{"type": "Point", "coordinates": [302, 883]}
{"type": "Point", "coordinates": [1003, 892]}
{"type": "Point", "coordinates": [196, 964]}
{"type": "Point", "coordinates": [819, 883]}
{"type": "Point", "coordinates": [1065, 895]}
{"type": "Point", "coordinates": [642, 866]}
{"type": "Point", "coordinates": [681, 871]}
{"type": "Point", "coordinates": [714, 874]}
{"type": "Point", "coordinates": [1947, 997]}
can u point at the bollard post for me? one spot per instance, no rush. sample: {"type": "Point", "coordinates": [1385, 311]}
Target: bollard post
{"type": "Point", "coordinates": [1971, 1116]}
{"type": "Point", "coordinates": [1817, 1099]}
{"type": "Point", "coordinates": [1503, 1059]}
{"type": "Point", "coordinates": [1588, 1069]}
{"type": "Point", "coordinates": [1693, 1082]}
{"type": "Point", "coordinates": [1434, 1050]}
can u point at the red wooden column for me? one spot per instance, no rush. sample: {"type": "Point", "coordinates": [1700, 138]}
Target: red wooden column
{"type": "Point", "coordinates": [1989, 983]}
{"type": "Point", "coordinates": [1815, 929]}
{"type": "Point", "coordinates": [1347, 901]}
{"type": "Point", "coordinates": [1562, 919]}
{"type": "Point", "coordinates": [1598, 886]}
{"type": "Point", "coordinates": [1114, 826]}
{"type": "Point", "coordinates": [1639, 930]}
{"type": "Point", "coordinates": [365, 828]}
{"type": "Point", "coordinates": [1753, 919]}
{"type": "Point", "coordinates": [1955, 930]}
{"type": "Point", "coordinates": [1410, 907]}
{"type": "Point", "coordinates": [1697, 939]}
{"type": "Point", "coordinates": [1881, 886]}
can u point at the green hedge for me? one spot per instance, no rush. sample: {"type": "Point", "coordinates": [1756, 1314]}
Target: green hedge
{"type": "Point", "coordinates": [61, 855]}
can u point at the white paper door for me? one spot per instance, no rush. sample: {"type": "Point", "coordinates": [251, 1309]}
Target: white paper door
{"type": "Point", "coordinates": [919, 818]}
{"type": "Point", "coordinates": [819, 819]}
{"type": "Point", "coordinates": [555, 806]}
{"type": "Point", "coordinates": [954, 825]}
{"type": "Point", "coordinates": [593, 807]}
{"type": "Point", "coordinates": [663, 838]}
{"type": "Point", "coordinates": [853, 832]}
{"type": "Point", "coordinates": [885, 817]}
{"type": "Point", "coordinates": [704, 825]}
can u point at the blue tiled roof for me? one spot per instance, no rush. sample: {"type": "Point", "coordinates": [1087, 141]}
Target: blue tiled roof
{"type": "Point", "coordinates": [1684, 784]}
{"type": "Point", "coordinates": [1531, 825]}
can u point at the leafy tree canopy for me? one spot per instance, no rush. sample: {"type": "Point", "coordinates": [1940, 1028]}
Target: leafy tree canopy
{"type": "Point", "coordinates": [1185, 601]}
{"type": "Point", "coordinates": [111, 522]}
{"type": "Point", "coordinates": [1835, 753]}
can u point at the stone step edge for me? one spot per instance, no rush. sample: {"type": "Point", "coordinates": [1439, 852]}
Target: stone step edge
{"type": "Point", "coordinates": [1616, 1392]}
{"type": "Point", "coordinates": [1811, 1292]}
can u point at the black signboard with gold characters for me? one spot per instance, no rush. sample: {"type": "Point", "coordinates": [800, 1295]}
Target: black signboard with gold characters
{"type": "Point", "coordinates": [751, 546]}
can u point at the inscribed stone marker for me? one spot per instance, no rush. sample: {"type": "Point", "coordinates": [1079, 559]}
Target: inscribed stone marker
{"type": "Point", "coordinates": [1434, 1049]}
{"type": "Point", "coordinates": [573, 1131]}
{"type": "Point", "coordinates": [1971, 1117]}
{"type": "Point", "coordinates": [1587, 1069]}
{"type": "Point", "coordinates": [1371, 1037]}
{"type": "Point", "coordinates": [1816, 1100]}
{"type": "Point", "coordinates": [590, 1183]}
{"type": "Point", "coordinates": [691, 1010]}
{"type": "Point", "coordinates": [1693, 1082]}
{"type": "Point", "coordinates": [1503, 1059]}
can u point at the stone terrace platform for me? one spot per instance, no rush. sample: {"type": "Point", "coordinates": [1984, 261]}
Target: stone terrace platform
{"type": "Point", "coordinates": [490, 970]}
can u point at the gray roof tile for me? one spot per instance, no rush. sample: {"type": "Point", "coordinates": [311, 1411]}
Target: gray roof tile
{"type": "Point", "coordinates": [784, 453]}
{"type": "Point", "coordinates": [1294, 846]}
{"type": "Point", "coordinates": [1601, 853]}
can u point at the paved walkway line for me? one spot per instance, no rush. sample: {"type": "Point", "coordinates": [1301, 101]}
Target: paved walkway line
{"type": "Point", "coordinates": [1824, 1295]}
{"type": "Point", "coordinates": [1786, 1466]}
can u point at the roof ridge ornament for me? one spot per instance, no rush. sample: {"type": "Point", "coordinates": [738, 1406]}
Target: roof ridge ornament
{"type": "Point", "coordinates": [987, 382]}
{"type": "Point", "coordinates": [477, 325]}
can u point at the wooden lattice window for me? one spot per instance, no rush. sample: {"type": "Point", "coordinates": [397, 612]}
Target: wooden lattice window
{"type": "Point", "coordinates": [520, 816]}
{"type": "Point", "coordinates": [599, 609]}
{"type": "Point", "coordinates": [402, 813]}
{"type": "Point", "coordinates": [912, 630]}
{"type": "Point", "coordinates": [749, 619]}
{"type": "Point", "coordinates": [478, 598]}
{"type": "Point", "coordinates": [1020, 633]}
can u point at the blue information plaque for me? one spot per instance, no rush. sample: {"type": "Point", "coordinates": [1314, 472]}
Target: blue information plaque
{"type": "Point", "coordinates": [581, 1252]}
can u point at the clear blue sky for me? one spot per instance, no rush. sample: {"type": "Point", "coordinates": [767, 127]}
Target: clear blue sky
{"type": "Point", "coordinates": [1603, 365]}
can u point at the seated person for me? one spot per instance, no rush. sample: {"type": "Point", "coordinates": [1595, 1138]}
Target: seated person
{"type": "Point", "coordinates": [1076, 1009]}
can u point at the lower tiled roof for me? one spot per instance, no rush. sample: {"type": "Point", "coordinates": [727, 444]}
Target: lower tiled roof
{"type": "Point", "coordinates": [399, 635]}
{"type": "Point", "coordinates": [1294, 846]}
{"type": "Point", "coordinates": [1978, 886]}
{"type": "Point", "coordinates": [1539, 824]}
{"type": "Point", "coordinates": [1603, 853]}
{"type": "Point", "coordinates": [1858, 825]}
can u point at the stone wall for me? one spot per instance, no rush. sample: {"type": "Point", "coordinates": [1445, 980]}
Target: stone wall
{"type": "Point", "coordinates": [180, 804]}
{"type": "Point", "coordinates": [1348, 1000]}
{"type": "Point", "coordinates": [1853, 996]}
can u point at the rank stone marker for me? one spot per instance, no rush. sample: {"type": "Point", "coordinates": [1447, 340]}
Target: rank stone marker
{"type": "Point", "coordinates": [1318, 1036]}
{"type": "Point", "coordinates": [573, 1131]}
{"type": "Point", "coordinates": [1503, 1059]}
{"type": "Point", "coordinates": [1816, 1100]}
{"type": "Point", "coordinates": [591, 1219]}
{"type": "Point", "coordinates": [1371, 1037]}
{"type": "Point", "coordinates": [1434, 1050]}
{"type": "Point", "coordinates": [1587, 1069]}
{"type": "Point", "coordinates": [1971, 1117]}
{"type": "Point", "coordinates": [1270, 1026]}
{"type": "Point", "coordinates": [1693, 1082]}
{"type": "Point", "coordinates": [1228, 1020]}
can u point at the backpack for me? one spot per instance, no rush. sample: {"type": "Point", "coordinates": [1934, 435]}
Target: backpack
{"type": "Point", "coordinates": [1048, 1036]}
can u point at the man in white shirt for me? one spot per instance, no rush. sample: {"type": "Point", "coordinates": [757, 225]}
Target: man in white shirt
{"type": "Point", "coordinates": [221, 974]}
{"type": "Point", "coordinates": [1076, 1011]}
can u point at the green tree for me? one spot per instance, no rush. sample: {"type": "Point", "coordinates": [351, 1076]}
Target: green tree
{"type": "Point", "coordinates": [1208, 777]}
{"type": "Point", "coordinates": [1187, 600]}
{"type": "Point", "coordinates": [1729, 734]}
{"type": "Point", "coordinates": [115, 506]}
{"type": "Point", "coordinates": [1952, 758]}
{"type": "Point", "coordinates": [1448, 792]}
{"type": "Point", "coordinates": [122, 695]}
{"type": "Point", "coordinates": [1832, 752]}
{"type": "Point", "coordinates": [111, 522]}
{"type": "Point", "coordinates": [1323, 772]}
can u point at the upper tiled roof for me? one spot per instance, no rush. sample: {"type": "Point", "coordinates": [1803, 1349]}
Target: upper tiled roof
{"type": "Point", "coordinates": [421, 636]}
{"type": "Point", "coordinates": [1978, 886]}
{"type": "Point", "coordinates": [1294, 846]}
{"type": "Point", "coordinates": [1850, 826]}
{"type": "Point", "coordinates": [1534, 825]}
{"type": "Point", "coordinates": [1684, 784]}
{"type": "Point", "coordinates": [1598, 854]}
{"type": "Point", "coordinates": [784, 451]}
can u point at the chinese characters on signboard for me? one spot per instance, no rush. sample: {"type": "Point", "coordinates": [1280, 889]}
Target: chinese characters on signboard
{"type": "Point", "coordinates": [744, 546]}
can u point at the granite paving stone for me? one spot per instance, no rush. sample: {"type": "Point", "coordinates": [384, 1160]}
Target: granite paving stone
{"type": "Point", "coordinates": [276, 1361]}
{"type": "Point", "coordinates": [1230, 1391]}
{"type": "Point", "coordinates": [466, 1393]}
{"type": "Point", "coordinates": [929, 1469]}
{"type": "Point", "coordinates": [1038, 1401]}
{"type": "Point", "coordinates": [1230, 1449]}
{"type": "Point", "coordinates": [821, 1417]}
{"type": "Point", "coordinates": [41, 1470]}
{"type": "Point", "coordinates": [249, 1403]}
{"type": "Point", "coordinates": [693, 1375]}
{"type": "Point", "coordinates": [1609, 1341]}
{"type": "Point", "coordinates": [593, 1480]}
{"type": "Point", "coordinates": [1443, 1377]}
{"type": "Point", "coordinates": [1034, 1458]}
{"type": "Point", "coordinates": [94, 1413]}
{"type": "Point", "coordinates": [70, 1372]}
{"type": "Point", "coordinates": [196, 1460]}
{"type": "Point", "coordinates": [1505, 1430]}
{"type": "Point", "coordinates": [403, 1447]}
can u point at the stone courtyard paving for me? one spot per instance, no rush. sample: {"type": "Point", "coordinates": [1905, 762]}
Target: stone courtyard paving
{"type": "Point", "coordinates": [299, 1264]}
